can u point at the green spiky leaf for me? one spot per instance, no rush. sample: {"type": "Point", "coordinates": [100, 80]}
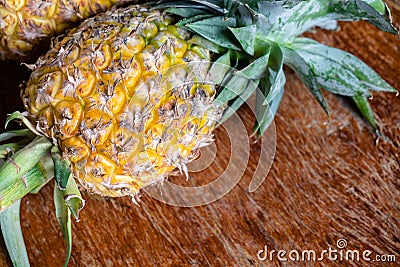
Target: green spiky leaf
{"type": "Point", "coordinates": [68, 202]}
{"type": "Point", "coordinates": [258, 68]}
{"type": "Point", "coordinates": [271, 90]}
{"type": "Point", "coordinates": [306, 74]}
{"type": "Point", "coordinates": [246, 37]}
{"type": "Point", "coordinates": [265, 112]}
{"type": "Point", "coordinates": [338, 71]}
{"type": "Point", "coordinates": [366, 110]}
{"type": "Point", "coordinates": [12, 234]}
{"type": "Point", "coordinates": [236, 82]}
{"type": "Point", "coordinates": [19, 116]}
{"type": "Point", "coordinates": [24, 133]}
{"type": "Point", "coordinates": [63, 215]}
{"type": "Point", "coordinates": [72, 197]}
{"type": "Point", "coordinates": [185, 13]}
{"type": "Point", "coordinates": [62, 169]}
{"type": "Point", "coordinates": [276, 77]}
{"type": "Point", "coordinates": [220, 68]}
{"type": "Point", "coordinates": [286, 21]}
{"type": "Point", "coordinates": [378, 5]}
{"type": "Point", "coordinates": [239, 100]}
{"type": "Point", "coordinates": [216, 30]}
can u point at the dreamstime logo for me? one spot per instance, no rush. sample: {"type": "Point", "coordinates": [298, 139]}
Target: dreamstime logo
{"type": "Point", "coordinates": [180, 77]}
{"type": "Point", "coordinates": [340, 253]}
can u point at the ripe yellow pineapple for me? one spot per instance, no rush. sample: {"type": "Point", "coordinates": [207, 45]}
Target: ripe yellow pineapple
{"type": "Point", "coordinates": [28, 25]}
{"type": "Point", "coordinates": [107, 95]}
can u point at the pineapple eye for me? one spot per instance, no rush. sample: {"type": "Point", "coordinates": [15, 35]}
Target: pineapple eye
{"type": "Point", "coordinates": [133, 74]}
{"type": "Point", "coordinates": [117, 100]}
{"type": "Point", "coordinates": [72, 55]}
{"type": "Point", "coordinates": [147, 29]}
{"type": "Point", "coordinates": [75, 148]}
{"type": "Point", "coordinates": [15, 5]}
{"type": "Point", "coordinates": [99, 166]}
{"type": "Point", "coordinates": [87, 85]}
{"type": "Point", "coordinates": [103, 57]}
{"type": "Point", "coordinates": [135, 43]}
{"type": "Point", "coordinates": [46, 118]}
{"type": "Point", "coordinates": [9, 22]}
{"type": "Point", "coordinates": [97, 128]}
{"type": "Point", "coordinates": [68, 116]}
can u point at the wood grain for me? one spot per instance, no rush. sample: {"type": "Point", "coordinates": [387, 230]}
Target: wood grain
{"type": "Point", "coordinates": [329, 180]}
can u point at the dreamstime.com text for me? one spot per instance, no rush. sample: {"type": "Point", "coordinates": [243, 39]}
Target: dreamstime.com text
{"type": "Point", "coordinates": [340, 253]}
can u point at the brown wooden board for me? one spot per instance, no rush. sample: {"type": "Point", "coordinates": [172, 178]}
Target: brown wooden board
{"type": "Point", "coordinates": [330, 180]}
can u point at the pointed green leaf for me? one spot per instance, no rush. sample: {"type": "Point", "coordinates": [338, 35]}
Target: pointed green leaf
{"type": "Point", "coordinates": [284, 22]}
{"type": "Point", "coordinates": [360, 10]}
{"type": "Point", "coordinates": [63, 215]}
{"type": "Point", "coordinates": [19, 116]}
{"type": "Point", "coordinates": [234, 85]}
{"type": "Point", "coordinates": [338, 71]}
{"type": "Point", "coordinates": [62, 169]}
{"type": "Point", "coordinates": [236, 82]}
{"type": "Point", "coordinates": [378, 5]}
{"type": "Point", "coordinates": [366, 110]}
{"type": "Point", "coordinates": [276, 75]}
{"type": "Point", "coordinates": [219, 69]}
{"type": "Point", "coordinates": [266, 113]}
{"type": "Point", "coordinates": [16, 134]}
{"type": "Point", "coordinates": [73, 198]}
{"type": "Point", "coordinates": [258, 68]}
{"type": "Point", "coordinates": [12, 234]}
{"type": "Point", "coordinates": [260, 108]}
{"type": "Point", "coordinates": [246, 37]}
{"type": "Point", "coordinates": [216, 30]}
{"type": "Point", "coordinates": [306, 74]}
{"type": "Point", "coordinates": [184, 22]}
{"type": "Point", "coordinates": [185, 12]}
{"type": "Point", "coordinates": [244, 14]}
{"type": "Point", "coordinates": [239, 101]}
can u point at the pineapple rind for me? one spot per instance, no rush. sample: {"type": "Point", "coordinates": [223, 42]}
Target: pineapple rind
{"type": "Point", "coordinates": [124, 96]}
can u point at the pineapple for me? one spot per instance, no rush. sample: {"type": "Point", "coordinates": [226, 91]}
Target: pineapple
{"type": "Point", "coordinates": [28, 25]}
{"type": "Point", "coordinates": [128, 97]}
{"type": "Point", "coordinates": [120, 96]}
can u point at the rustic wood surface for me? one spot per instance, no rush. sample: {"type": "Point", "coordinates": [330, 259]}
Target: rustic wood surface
{"type": "Point", "coordinates": [329, 180]}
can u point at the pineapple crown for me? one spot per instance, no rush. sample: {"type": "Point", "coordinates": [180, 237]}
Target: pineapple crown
{"type": "Point", "coordinates": [260, 36]}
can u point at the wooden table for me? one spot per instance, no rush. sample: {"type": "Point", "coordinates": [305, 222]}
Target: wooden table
{"type": "Point", "coordinates": [330, 180]}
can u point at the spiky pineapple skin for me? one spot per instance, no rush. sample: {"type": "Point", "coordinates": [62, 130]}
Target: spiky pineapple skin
{"type": "Point", "coordinates": [26, 26]}
{"type": "Point", "coordinates": [123, 96]}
